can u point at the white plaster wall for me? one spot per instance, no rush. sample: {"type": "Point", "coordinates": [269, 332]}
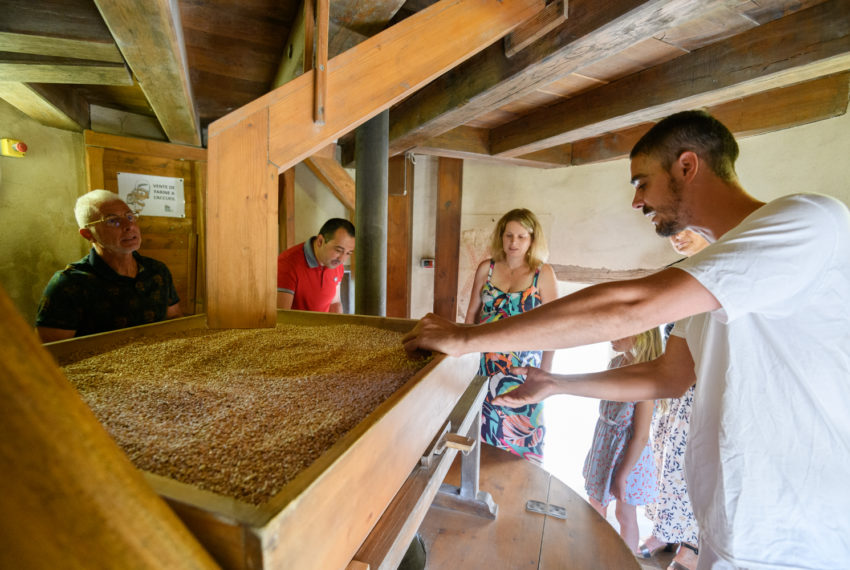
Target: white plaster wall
{"type": "Point", "coordinates": [314, 204]}
{"type": "Point", "coordinates": [424, 232]}
{"type": "Point", "coordinates": [810, 158]}
{"type": "Point", "coordinates": [38, 233]}
{"type": "Point", "coordinates": [586, 210]}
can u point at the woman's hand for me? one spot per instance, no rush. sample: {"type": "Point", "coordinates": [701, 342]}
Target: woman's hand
{"type": "Point", "coordinates": [538, 385]}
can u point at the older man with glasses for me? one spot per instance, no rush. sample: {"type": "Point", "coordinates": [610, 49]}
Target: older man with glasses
{"type": "Point", "coordinates": [112, 287]}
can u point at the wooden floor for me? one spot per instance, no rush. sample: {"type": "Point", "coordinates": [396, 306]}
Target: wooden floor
{"type": "Point", "coordinates": [518, 538]}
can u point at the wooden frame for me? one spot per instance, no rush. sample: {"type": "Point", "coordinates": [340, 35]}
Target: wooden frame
{"type": "Point", "coordinates": [316, 521]}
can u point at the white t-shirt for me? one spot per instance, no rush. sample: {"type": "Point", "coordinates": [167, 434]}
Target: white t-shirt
{"type": "Point", "coordinates": [768, 459]}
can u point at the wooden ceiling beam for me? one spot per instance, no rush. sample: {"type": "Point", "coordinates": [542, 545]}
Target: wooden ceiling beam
{"type": "Point", "coordinates": [150, 37]}
{"type": "Point", "coordinates": [471, 143]}
{"type": "Point", "coordinates": [769, 111]}
{"type": "Point", "coordinates": [395, 63]}
{"type": "Point", "coordinates": [25, 68]}
{"type": "Point", "coordinates": [335, 177]}
{"type": "Point", "coordinates": [765, 112]}
{"type": "Point", "coordinates": [60, 47]}
{"type": "Point", "coordinates": [47, 104]}
{"type": "Point", "coordinates": [349, 19]}
{"type": "Point", "coordinates": [491, 79]}
{"type": "Point", "coordinates": [297, 59]}
{"type": "Point", "coordinates": [292, 63]}
{"type": "Point", "coordinates": [808, 44]}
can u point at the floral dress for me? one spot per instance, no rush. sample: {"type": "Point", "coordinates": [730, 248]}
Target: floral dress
{"type": "Point", "coordinates": [672, 516]}
{"type": "Point", "coordinates": [613, 432]}
{"type": "Point", "coordinates": [518, 430]}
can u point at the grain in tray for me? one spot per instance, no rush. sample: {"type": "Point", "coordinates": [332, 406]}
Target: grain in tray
{"type": "Point", "coordinates": [240, 412]}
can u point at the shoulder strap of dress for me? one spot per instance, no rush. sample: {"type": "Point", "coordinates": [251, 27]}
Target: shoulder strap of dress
{"type": "Point", "coordinates": [490, 273]}
{"type": "Point", "coordinates": [536, 275]}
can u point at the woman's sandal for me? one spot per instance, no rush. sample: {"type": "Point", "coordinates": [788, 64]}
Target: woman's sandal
{"type": "Point", "coordinates": [647, 553]}
{"type": "Point", "coordinates": [674, 565]}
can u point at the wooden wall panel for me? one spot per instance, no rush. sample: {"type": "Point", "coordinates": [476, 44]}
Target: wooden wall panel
{"type": "Point", "coordinates": [174, 241]}
{"type": "Point", "coordinates": [286, 209]}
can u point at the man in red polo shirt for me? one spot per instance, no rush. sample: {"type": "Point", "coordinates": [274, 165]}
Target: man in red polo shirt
{"type": "Point", "coordinates": [309, 274]}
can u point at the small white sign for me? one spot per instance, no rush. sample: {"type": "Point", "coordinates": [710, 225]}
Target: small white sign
{"type": "Point", "coordinates": [149, 195]}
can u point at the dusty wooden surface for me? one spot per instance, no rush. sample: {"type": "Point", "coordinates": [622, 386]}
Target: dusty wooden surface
{"type": "Point", "coordinates": [520, 539]}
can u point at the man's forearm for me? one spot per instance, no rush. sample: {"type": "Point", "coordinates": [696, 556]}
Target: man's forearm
{"type": "Point", "coordinates": [633, 383]}
{"type": "Point", "coordinates": [599, 313]}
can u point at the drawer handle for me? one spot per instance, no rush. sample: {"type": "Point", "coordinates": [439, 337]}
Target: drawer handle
{"type": "Point", "coordinates": [460, 442]}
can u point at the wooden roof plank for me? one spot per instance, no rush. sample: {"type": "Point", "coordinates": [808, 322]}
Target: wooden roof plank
{"type": "Point", "coordinates": [491, 79]}
{"type": "Point", "coordinates": [470, 143]}
{"type": "Point", "coordinates": [149, 35]}
{"type": "Point", "coordinates": [799, 47]}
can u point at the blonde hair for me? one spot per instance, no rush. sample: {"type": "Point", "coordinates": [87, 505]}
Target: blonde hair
{"type": "Point", "coordinates": [537, 253]}
{"type": "Point", "coordinates": [647, 346]}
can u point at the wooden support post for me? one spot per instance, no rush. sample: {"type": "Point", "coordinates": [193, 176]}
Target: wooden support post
{"type": "Point", "coordinates": [286, 209]}
{"type": "Point", "coordinates": [370, 216]}
{"type": "Point", "coordinates": [447, 251]}
{"type": "Point", "coordinates": [321, 71]}
{"type": "Point", "coordinates": [399, 236]}
{"type": "Point", "coordinates": [242, 228]}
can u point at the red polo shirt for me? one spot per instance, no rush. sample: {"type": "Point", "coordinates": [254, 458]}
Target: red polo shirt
{"type": "Point", "coordinates": [313, 286]}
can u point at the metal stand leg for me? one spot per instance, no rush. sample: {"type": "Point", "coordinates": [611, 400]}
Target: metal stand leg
{"type": "Point", "coordinates": [468, 498]}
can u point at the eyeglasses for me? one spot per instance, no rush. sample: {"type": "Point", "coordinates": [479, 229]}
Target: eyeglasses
{"type": "Point", "coordinates": [114, 221]}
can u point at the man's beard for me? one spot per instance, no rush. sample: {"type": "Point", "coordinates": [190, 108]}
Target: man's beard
{"type": "Point", "coordinates": [672, 226]}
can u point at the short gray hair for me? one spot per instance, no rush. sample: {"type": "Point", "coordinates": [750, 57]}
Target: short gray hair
{"type": "Point", "coordinates": [87, 208]}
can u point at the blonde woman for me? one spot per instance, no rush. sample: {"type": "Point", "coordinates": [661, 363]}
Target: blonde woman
{"type": "Point", "coordinates": [514, 280]}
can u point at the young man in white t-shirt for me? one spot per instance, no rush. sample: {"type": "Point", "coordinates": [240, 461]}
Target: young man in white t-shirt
{"type": "Point", "coordinates": [769, 446]}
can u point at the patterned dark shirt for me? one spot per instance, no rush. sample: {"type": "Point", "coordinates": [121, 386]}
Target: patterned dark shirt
{"type": "Point", "coordinates": [89, 297]}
